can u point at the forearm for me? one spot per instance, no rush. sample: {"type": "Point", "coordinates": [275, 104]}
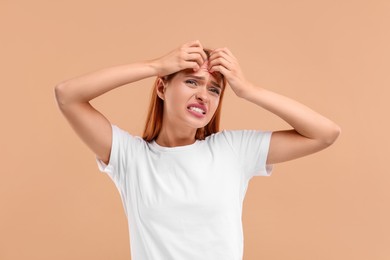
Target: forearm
{"type": "Point", "coordinates": [303, 119]}
{"type": "Point", "coordinates": [86, 87]}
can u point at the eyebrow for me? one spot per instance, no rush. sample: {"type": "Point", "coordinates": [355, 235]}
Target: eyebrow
{"type": "Point", "coordinates": [203, 79]}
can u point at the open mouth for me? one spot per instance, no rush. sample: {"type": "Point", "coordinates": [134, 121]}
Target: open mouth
{"type": "Point", "coordinates": [196, 110]}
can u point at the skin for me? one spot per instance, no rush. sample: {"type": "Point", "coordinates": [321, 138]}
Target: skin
{"type": "Point", "coordinates": [310, 132]}
{"type": "Point", "coordinates": [187, 87]}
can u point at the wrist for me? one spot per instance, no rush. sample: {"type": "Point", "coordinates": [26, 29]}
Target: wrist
{"type": "Point", "coordinates": [247, 91]}
{"type": "Point", "coordinates": [155, 67]}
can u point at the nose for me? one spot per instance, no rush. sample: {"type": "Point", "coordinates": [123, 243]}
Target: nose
{"type": "Point", "coordinates": [201, 94]}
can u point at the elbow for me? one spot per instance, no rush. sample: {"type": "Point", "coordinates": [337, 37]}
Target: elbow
{"type": "Point", "coordinates": [60, 94]}
{"type": "Point", "coordinates": [332, 135]}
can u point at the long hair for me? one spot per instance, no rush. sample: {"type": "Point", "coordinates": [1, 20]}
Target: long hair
{"type": "Point", "coordinates": [154, 118]}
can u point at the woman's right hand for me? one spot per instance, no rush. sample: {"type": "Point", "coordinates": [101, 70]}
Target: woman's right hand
{"type": "Point", "coordinates": [188, 56]}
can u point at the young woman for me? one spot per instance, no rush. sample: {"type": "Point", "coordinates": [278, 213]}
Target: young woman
{"type": "Point", "coordinates": [183, 183]}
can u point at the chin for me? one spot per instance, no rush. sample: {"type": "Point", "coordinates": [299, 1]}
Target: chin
{"type": "Point", "coordinates": [198, 125]}
{"type": "Point", "coordinates": [198, 122]}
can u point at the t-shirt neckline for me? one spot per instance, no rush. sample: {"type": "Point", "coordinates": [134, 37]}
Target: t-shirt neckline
{"type": "Point", "coordinates": [156, 146]}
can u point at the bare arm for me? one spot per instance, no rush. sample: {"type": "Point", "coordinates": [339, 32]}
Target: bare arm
{"type": "Point", "coordinates": [93, 127]}
{"type": "Point", "coordinates": [73, 98]}
{"type": "Point", "coordinates": [86, 87]}
{"type": "Point", "coordinates": [311, 131]}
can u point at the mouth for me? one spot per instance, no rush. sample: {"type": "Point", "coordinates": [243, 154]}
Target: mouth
{"type": "Point", "coordinates": [197, 110]}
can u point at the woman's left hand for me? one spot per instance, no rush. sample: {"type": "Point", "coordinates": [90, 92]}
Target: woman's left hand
{"type": "Point", "coordinates": [222, 60]}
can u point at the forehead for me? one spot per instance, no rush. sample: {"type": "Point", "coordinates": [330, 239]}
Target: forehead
{"type": "Point", "coordinates": [203, 73]}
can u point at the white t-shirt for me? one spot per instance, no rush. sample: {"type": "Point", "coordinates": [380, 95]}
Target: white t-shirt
{"type": "Point", "coordinates": [185, 202]}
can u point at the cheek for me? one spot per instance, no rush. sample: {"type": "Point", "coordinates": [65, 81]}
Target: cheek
{"type": "Point", "coordinates": [176, 97]}
{"type": "Point", "coordinates": [215, 104]}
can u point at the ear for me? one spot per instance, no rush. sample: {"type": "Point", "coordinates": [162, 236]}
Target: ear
{"type": "Point", "coordinates": [160, 88]}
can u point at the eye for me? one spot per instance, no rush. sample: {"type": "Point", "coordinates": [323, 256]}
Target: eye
{"type": "Point", "coordinates": [215, 90]}
{"type": "Point", "coordinates": [191, 82]}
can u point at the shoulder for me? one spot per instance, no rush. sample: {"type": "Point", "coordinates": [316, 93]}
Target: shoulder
{"type": "Point", "coordinates": [127, 139]}
{"type": "Point", "coordinates": [228, 134]}
{"type": "Point", "coordinates": [240, 138]}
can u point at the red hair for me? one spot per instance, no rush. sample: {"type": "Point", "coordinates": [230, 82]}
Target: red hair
{"type": "Point", "coordinates": [154, 118]}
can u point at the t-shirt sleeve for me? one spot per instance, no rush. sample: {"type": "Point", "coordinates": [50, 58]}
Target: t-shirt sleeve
{"type": "Point", "coordinates": [251, 148]}
{"type": "Point", "coordinates": [119, 155]}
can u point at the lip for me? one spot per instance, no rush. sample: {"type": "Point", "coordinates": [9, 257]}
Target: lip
{"type": "Point", "coordinates": [201, 106]}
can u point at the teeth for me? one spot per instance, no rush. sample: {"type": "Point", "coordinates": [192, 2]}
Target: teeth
{"type": "Point", "coordinates": [196, 109]}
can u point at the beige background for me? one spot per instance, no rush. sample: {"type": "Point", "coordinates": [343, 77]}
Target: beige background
{"type": "Point", "coordinates": [330, 55]}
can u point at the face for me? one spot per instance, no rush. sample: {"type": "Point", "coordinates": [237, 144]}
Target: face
{"type": "Point", "coordinates": [191, 98]}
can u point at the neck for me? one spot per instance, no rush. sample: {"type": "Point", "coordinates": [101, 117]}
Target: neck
{"type": "Point", "coordinates": [174, 136]}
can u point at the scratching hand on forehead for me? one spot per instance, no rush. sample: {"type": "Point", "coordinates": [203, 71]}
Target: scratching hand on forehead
{"type": "Point", "coordinates": [223, 61]}
{"type": "Point", "coordinates": [205, 66]}
{"type": "Point", "coordinates": [188, 56]}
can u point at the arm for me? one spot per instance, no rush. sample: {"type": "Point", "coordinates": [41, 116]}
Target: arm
{"type": "Point", "coordinates": [311, 131]}
{"type": "Point", "coordinates": [90, 125]}
{"type": "Point", "coordinates": [73, 98]}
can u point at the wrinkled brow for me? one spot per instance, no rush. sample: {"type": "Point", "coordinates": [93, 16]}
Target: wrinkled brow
{"type": "Point", "coordinates": [215, 84]}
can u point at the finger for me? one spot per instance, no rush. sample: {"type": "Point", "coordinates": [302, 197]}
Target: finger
{"type": "Point", "coordinates": [192, 65]}
{"type": "Point", "coordinates": [221, 54]}
{"type": "Point", "coordinates": [225, 53]}
{"type": "Point", "coordinates": [195, 57]}
{"type": "Point", "coordinates": [204, 55]}
{"type": "Point", "coordinates": [220, 61]}
{"type": "Point", "coordinates": [221, 58]}
{"type": "Point", "coordinates": [219, 68]}
{"type": "Point", "coordinates": [198, 50]}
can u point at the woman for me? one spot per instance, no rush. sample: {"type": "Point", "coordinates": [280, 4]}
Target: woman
{"type": "Point", "coordinates": [183, 183]}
